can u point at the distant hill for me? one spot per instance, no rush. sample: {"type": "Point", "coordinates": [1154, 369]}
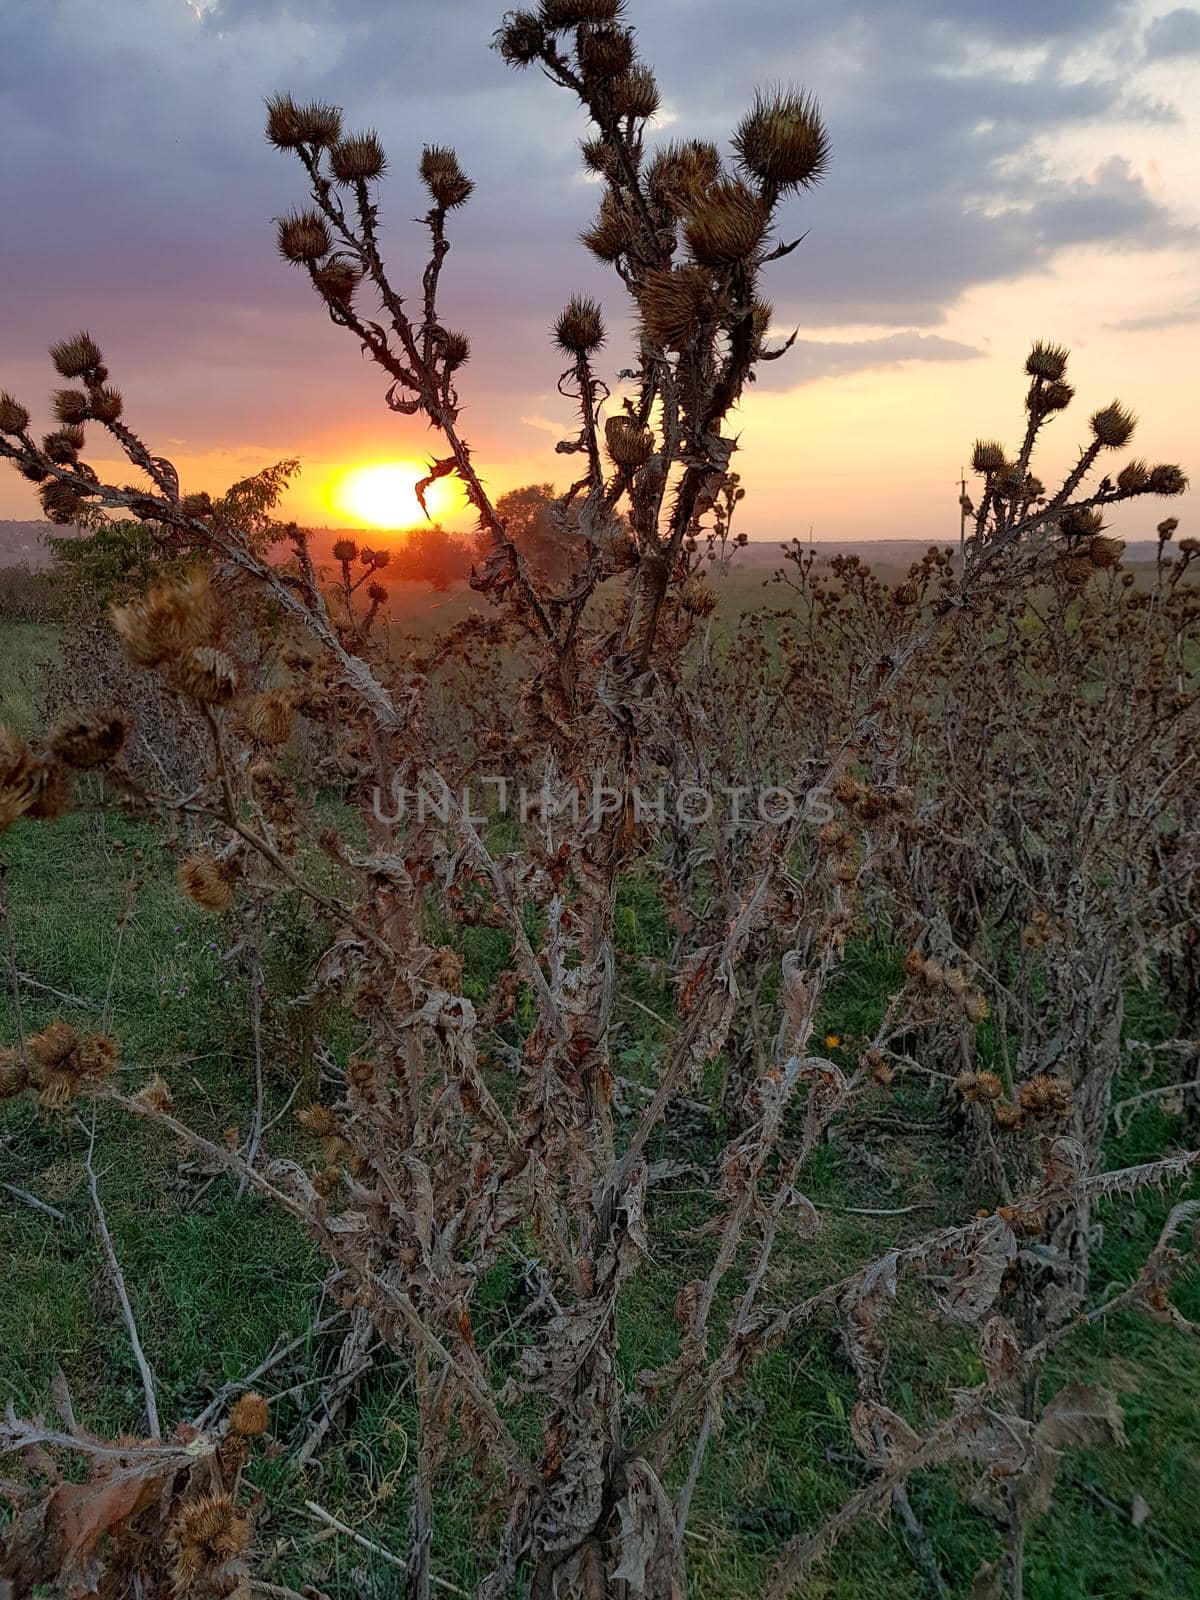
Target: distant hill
{"type": "Point", "coordinates": [22, 544]}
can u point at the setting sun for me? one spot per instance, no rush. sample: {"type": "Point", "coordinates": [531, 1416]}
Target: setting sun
{"type": "Point", "coordinates": [383, 494]}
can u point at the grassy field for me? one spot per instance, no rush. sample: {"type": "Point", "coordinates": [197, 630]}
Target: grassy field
{"type": "Point", "coordinates": [216, 1279]}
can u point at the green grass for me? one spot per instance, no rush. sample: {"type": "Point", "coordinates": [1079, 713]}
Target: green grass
{"type": "Point", "coordinates": [216, 1280]}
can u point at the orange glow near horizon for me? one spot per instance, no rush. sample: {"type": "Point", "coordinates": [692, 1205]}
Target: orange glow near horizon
{"type": "Point", "coordinates": [382, 494]}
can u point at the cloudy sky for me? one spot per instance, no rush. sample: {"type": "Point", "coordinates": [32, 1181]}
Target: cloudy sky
{"type": "Point", "coordinates": [1002, 170]}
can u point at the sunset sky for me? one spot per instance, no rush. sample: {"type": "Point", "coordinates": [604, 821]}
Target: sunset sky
{"type": "Point", "coordinates": [1001, 171]}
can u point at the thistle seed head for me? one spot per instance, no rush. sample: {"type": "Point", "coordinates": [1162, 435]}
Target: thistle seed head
{"type": "Point", "coordinates": [202, 878]}
{"type": "Point", "coordinates": [988, 456]}
{"type": "Point", "coordinates": [782, 140]}
{"type": "Point", "coordinates": [580, 327]}
{"type": "Point", "coordinates": [1104, 552]}
{"type": "Point", "coordinates": [1113, 426]}
{"type": "Point", "coordinates": [676, 304]}
{"type": "Point", "coordinates": [53, 1047]}
{"type": "Point", "coordinates": [106, 404]}
{"type": "Point", "coordinates": [71, 405]}
{"type": "Point", "coordinates": [1047, 361]}
{"type": "Point", "coordinates": [359, 158]}
{"type": "Point", "coordinates": [697, 597]}
{"type": "Point", "coordinates": [1167, 480]}
{"type": "Point", "coordinates": [302, 236]}
{"type": "Point", "coordinates": [443, 177]}
{"type": "Point", "coordinates": [62, 503]}
{"type": "Point", "coordinates": [167, 621]}
{"type": "Point", "coordinates": [614, 231]}
{"type": "Point", "coordinates": [249, 1416]}
{"type": "Point", "coordinates": [89, 741]}
{"type": "Point", "coordinates": [290, 125]}
{"type": "Point", "coordinates": [559, 15]}
{"type": "Point", "coordinates": [635, 93]}
{"type": "Point", "coordinates": [13, 416]}
{"type": "Point", "coordinates": [456, 352]}
{"type": "Point", "coordinates": [337, 280]}
{"type": "Point", "coordinates": [725, 225]}
{"type": "Point", "coordinates": [205, 674]}
{"type": "Point", "coordinates": [1133, 477]}
{"type": "Point", "coordinates": [345, 550]}
{"type": "Point", "coordinates": [63, 446]}
{"type": "Point", "coordinates": [629, 443]}
{"type": "Point", "coordinates": [14, 1074]}
{"type": "Point", "coordinates": [605, 52]}
{"type": "Point", "coordinates": [79, 357]}
{"type": "Point", "coordinates": [267, 717]}
{"type": "Point", "coordinates": [522, 39]}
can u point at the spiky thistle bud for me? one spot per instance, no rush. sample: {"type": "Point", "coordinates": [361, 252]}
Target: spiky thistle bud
{"type": "Point", "coordinates": [14, 1074]}
{"type": "Point", "coordinates": [443, 177]}
{"type": "Point", "coordinates": [1167, 480]}
{"type": "Point", "coordinates": [206, 675]}
{"type": "Point", "coordinates": [317, 1120]}
{"type": "Point", "coordinates": [974, 1006]}
{"type": "Point", "coordinates": [1166, 528]}
{"type": "Point", "coordinates": [290, 125]}
{"type": "Point", "coordinates": [155, 1094]}
{"type": "Point", "coordinates": [522, 39]}
{"type": "Point", "coordinates": [203, 879]}
{"type": "Point", "coordinates": [32, 472]}
{"type": "Point", "coordinates": [635, 93]}
{"type": "Point", "coordinates": [71, 405]}
{"type": "Point", "coordinates": [267, 717]}
{"type": "Point", "coordinates": [90, 741]}
{"type": "Point", "coordinates": [337, 280]}
{"type": "Point", "coordinates": [77, 357]}
{"type": "Point", "coordinates": [358, 158]}
{"type": "Point", "coordinates": [302, 236]}
{"type": "Point", "coordinates": [988, 456]}
{"type": "Point", "coordinates": [1047, 361]}
{"type": "Point", "coordinates": [1045, 1099]}
{"type": "Point", "coordinates": [96, 1057]}
{"type": "Point", "coordinates": [249, 1416]}
{"type": "Point", "coordinates": [62, 503]}
{"type": "Point", "coordinates": [725, 225]}
{"type": "Point", "coordinates": [13, 416]}
{"type": "Point", "coordinates": [345, 550]}
{"type": "Point", "coordinates": [1104, 552]}
{"type": "Point", "coordinates": [64, 445]}
{"type": "Point", "coordinates": [677, 303]}
{"type": "Point", "coordinates": [1113, 426]}
{"type": "Point", "coordinates": [579, 328]}
{"type": "Point", "coordinates": [167, 620]}
{"type": "Point", "coordinates": [106, 404]}
{"type": "Point", "coordinates": [1133, 477]}
{"type": "Point", "coordinates": [614, 231]}
{"type": "Point", "coordinates": [699, 599]}
{"type": "Point", "coordinates": [456, 350]}
{"type": "Point", "coordinates": [782, 140]}
{"type": "Point", "coordinates": [559, 15]}
{"type": "Point", "coordinates": [605, 52]}
{"type": "Point", "coordinates": [630, 444]}
{"type": "Point", "coordinates": [53, 1046]}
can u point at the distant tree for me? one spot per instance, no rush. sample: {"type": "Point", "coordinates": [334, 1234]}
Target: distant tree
{"type": "Point", "coordinates": [433, 556]}
{"type": "Point", "coordinates": [534, 525]}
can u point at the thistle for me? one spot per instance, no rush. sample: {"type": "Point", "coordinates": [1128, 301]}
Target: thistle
{"type": "Point", "coordinates": [249, 1416]}
{"type": "Point", "coordinates": [13, 416]}
{"type": "Point", "coordinates": [267, 717]}
{"type": "Point", "coordinates": [635, 93]}
{"type": "Point", "coordinates": [559, 15]}
{"type": "Point", "coordinates": [782, 141]}
{"type": "Point", "coordinates": [302, 236]}
{"type": "Point", "coordinates": [579, 328]}
{"type": "Point", "coordinates": [675, 303]}
{"type": "Point", "coordinates": [630, 444]}
{"type": "Point", "coordinates": [1047, 362]}
{"type": "Point", "coordinates": [202, 878]}
{"type": "Point", "coordinates": [79, 357]}
{"type": "Point", "coordinates": [725, 225]}
{"type": "Point", "coordinates": [14, 1074]}
{"type": "Point", "coordinates": [1113, 426]}
{"type": "Point", "coordinates": [359, 158]}
{"type": "Point", "coordinates": [91, 741]}
{"type": "Point", "coordinates": [290, 125]}
{"type": "Point", "coordinates": [443, 177]}
{"type": "Point", "coordinates": [205, 674]}
{"type": "Point", "coordinates": [71, 405]}
{"type": "Point", "coordinates": [614, 231]}
{"type": "Point", "coordinates": [167, 621]}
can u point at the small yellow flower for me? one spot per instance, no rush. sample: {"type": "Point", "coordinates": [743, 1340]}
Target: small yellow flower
{"type": "Point", "coordinates": [832, 1040]}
